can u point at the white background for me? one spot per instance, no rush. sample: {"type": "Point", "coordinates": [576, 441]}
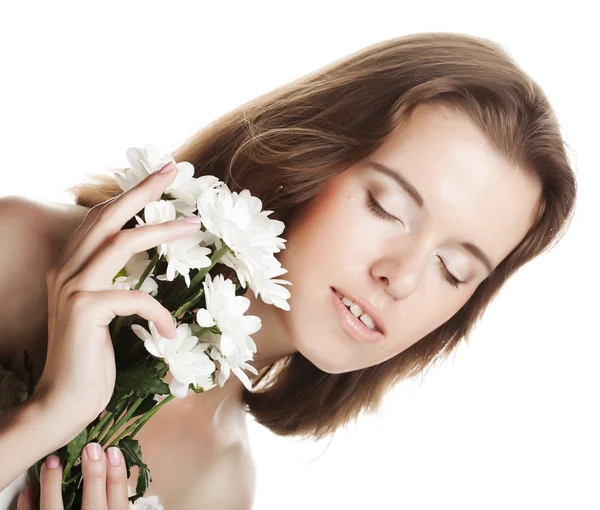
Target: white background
{"type": "Point", "coordinates": [510, 421]}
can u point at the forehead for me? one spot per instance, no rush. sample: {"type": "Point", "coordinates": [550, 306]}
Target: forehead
{"type": "Point", "coordinates": [470, 192]}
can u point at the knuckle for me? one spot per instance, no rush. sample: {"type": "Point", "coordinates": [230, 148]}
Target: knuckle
{"type": "Point", "coordinates": [124, 237]}
{"type": "Point", "coordinates": [94, 471]}
{"type": "Point", "coordinates": [77, 300]}
{"type": "Point", "coordinates": [117, 476]}
{"type": "Point", "coordinates": [117, 482]}
{"type": "Point", "coordinates": [94, 474]}
{"type": "Point", "coordinates": [140, 294]}
{"type": "Point", "coordinates": [118, 241]}
{"type": "Point", "coordinates": [71, 286]}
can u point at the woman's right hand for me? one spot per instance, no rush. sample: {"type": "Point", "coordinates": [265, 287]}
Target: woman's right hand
{"type": "Point", "coordinates": [104, 482]}
{"type": "Point", "coordinates": [79, 374]}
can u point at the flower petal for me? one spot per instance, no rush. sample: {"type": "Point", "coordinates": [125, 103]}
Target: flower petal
{"type": "Point", "coordinates": [178, 389]}
{"type": "Point", "coordinates": [204, 319]}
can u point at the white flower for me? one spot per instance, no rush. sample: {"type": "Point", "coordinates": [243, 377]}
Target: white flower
{"type": "Point", "coordinates": [257, 272]}
{"type": "Point", "coordinates": [181, 254]}
{"type": "Point", "coordinates": [185, 188]}
{"type": "Point", "coordinates": [235, 364]}
{"type": "Point", "coordinates": [149, 503]}
{"type": "Point", "coordinates": [144, 162]}
{"type": "Point", "coordinates": [133, 269]}
{"type": "Point", "coordinates": [226, 310]}
{"type": "Point", "coordinates": [252, 236]}
{"type": "Point", "coordinates": [239, 221]}
{"type": "Point", "coordinates": [187, 192]}
{"type": "Point", "coordinates": [186, 360]}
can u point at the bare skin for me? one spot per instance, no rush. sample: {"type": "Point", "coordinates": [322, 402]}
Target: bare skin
{"type": "Point", "coordinates": [406, 261]}
{"type": "Point", "coordinates": [195, 449]}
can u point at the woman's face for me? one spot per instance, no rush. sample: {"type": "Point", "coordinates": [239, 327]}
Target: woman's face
{"type": "Point", "coordinates": [399, 265]}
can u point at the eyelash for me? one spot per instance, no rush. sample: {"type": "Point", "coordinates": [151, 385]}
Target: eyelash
{"type": "Point", "coordinates": [378, 211]}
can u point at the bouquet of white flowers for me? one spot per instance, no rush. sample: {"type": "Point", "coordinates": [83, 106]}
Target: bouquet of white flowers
{"type": "Point", "coordinates": [213, 334]}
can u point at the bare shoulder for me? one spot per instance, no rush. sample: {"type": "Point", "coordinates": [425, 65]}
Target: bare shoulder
{"type": "Point", "coordinates": [229, 482]}
{"type": "Point", "coordinates": [32, 234]}
{"type": "Point", "coordinates": [36, 226]}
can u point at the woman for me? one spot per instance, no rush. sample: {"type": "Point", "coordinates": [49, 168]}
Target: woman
{"type": "Point", "coordinates": [414, 178]}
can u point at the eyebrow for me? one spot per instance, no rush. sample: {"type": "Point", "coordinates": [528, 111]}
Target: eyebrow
{"type": "Point", "coordinates": [418, 199]}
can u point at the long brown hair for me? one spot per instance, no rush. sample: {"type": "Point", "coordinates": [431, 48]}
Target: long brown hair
{"type": "Point", "coordinates": [284, 145]}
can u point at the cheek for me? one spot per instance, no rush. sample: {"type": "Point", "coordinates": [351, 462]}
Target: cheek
{"type": "Point", "coordinates": [328, 232]}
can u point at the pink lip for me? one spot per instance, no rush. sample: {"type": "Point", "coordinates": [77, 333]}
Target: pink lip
{"type": "Point", "coordinates": [354, 327]}
{"type": "Point", "coordinates": [368, 308]}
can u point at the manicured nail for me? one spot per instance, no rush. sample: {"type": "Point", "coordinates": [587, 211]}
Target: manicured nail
{"type": "Point", "coordinates": [114, 456]}
{"type": "Point", "coordinates": [52, 462]}
{"type": "Point", "coordinates": [167, 168]}
{"type": "Point", "coordinates": [93, 451]}
{"type": "Point", "coordinates": [193, 219]}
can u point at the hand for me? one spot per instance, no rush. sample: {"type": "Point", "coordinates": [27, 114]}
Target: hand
{"type": "Point", "coordinates": [104, 482]}
{"type": "Point", "coordinates": [79, 374]}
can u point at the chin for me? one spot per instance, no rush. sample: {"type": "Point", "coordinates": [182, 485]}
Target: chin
{"type": "Point", "coordinates": [326, 354]}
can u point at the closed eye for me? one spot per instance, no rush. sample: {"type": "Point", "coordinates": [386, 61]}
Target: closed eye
{"type": "Point", "coordinates": [380, 212]}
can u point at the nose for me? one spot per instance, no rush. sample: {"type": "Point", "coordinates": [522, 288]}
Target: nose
{"type": "Point", "coordinates": [400, 274]}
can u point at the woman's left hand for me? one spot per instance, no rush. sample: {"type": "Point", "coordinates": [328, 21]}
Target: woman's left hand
{"type": "Point", "coordinates": [104, 482]}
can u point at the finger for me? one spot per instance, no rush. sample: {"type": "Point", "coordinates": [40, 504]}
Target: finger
{"type": "Point", "coordinates": [75, 239]}
{"type": "Point", "coordinates": [26, 498]}
{"type": "Point", "coordinates": [51, 484]}
{"type": "Point", "coordinates": [109, 220]}
{"type": "Point", "coordinates": [116, 480]}
{"type": "Point", "coordinates": [112, 256]}
{"type": "Point", "coordinates": [93, 468]}
{"type": "Point", "coordinates": [107, 304]}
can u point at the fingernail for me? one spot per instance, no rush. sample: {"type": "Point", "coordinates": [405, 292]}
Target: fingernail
{"type": "Point", "coordinates": [167, 168]}
{"type": "Point", "coordinates": [192, 219]}
{"type": "Point", "coordinates": [52, 462]}
{"type": "Point", "coordinates": [114, 456]}
{"type": "Point", "coordinates": [93, 451]}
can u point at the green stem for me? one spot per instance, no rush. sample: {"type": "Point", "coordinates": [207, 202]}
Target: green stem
{"type": "Point", "coordinates": [103, 433]}
{"type": "Point", "coordinates": [100, 424]}
{"type": "Point", "coordinates": [70, 480]}
{"type": "Point", "coordinates": [187, 292]}
{"type": "Point", "coordinates": [139, 423]}
{"type": "Point", "coordinates": [201, 331]}
{"type": "Point", "coordinates": [145, 274]}
{"type": "Point", "coordinates": [66, 473]}
{"type": "Point", "coordinates": [189, 305]}
{"type": "Point", "coordinates": [114, 429]}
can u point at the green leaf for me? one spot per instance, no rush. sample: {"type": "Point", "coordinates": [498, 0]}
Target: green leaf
{"type": "Point", "coordinates": [118, 401]}
{"type": "Point", "coordinates": [147, 404]}
{"type": "Point", "coordinates": [161, 369]}
{"type": "Point", "coordinates": [143, 481]}
{"type": "Point", "coordinates": [75, 446]}
{"type": "Point", "coordinates": [131, 452]}
{"type": "Point", "coordinates": [142, 380]}
{"type": "Point", "coordinates": [133, 457]}
{"type": "Point", "coordinates": [129, 349]}
{"type": "Point", "coordinates": [196, 389]}
{"type": "Point", "coordinates": [122, 272]}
